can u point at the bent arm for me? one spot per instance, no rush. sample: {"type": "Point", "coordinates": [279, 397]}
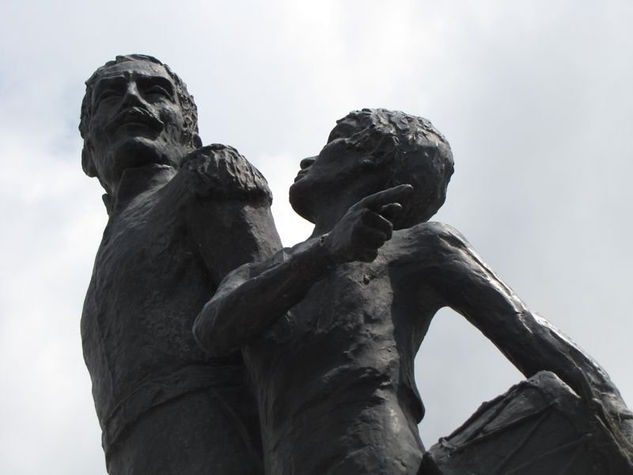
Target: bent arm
{"type": "Point", "coordinates": [253, 297]}
{"type": "Point", "coordinates": [256, 295]}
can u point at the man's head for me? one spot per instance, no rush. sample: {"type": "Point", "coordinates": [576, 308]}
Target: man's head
{"type": "Point", "coordinates": [135, 112]}
{"type": "Point", "coordinates": [371, 150]}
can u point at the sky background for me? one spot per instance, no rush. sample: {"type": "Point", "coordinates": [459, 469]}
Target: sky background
{"type": "Point", "coordinates": [534, 97]}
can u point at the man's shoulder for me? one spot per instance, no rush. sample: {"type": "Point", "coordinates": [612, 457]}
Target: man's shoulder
{"type": "Point", "coordinates": [220, 171]}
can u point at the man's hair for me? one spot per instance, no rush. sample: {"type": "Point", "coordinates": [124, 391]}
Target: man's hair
{"type": "Point", "coordinates": [190, 111]}
{"type": "Point", "coordinates": [414, 151]}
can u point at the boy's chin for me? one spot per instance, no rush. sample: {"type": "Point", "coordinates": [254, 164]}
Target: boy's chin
{"type": "Point", "coordinates": [300, 201]}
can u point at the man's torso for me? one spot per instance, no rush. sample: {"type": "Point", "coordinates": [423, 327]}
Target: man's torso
{"type": "Point", "coordinates": [148, 285]}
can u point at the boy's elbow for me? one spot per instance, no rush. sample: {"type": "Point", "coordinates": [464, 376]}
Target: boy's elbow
{"type": "Point", "coordinates": [209, 337]}
{"type": "Point", "coordinates": [203, 334]}
{"type": "Point", "coordinates": [198, 333]}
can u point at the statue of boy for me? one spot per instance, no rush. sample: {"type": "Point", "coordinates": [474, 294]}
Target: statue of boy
{"type": "Point", "coordinates": [330, 327]}
{"type": "Point", "coordinates": [181, 216]}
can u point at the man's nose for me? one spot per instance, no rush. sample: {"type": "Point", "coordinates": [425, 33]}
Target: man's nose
{"type": "Point", "coordinates": [132, 95]}
{"type": "Point", "coordinates": [306, 162]}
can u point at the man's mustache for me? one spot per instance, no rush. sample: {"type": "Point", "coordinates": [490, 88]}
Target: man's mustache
{"type": "Point", "coordinates": [136, 115]}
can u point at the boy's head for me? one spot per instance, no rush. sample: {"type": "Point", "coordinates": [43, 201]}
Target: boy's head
{"type": "Point", "coordinates": [378, 148]}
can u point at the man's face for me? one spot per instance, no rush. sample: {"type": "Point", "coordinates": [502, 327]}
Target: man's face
{"type": "Point", "coordinates": [136, 120]}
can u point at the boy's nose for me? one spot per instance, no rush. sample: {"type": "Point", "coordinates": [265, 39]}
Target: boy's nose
{"type": "Point", "coordinates": [306, 162]}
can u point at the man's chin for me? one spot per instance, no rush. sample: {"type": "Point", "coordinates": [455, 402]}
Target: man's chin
{"type": "Point", "coordinates": [137, 129]}
{"type": "Point", "coordinates": [136, 152]}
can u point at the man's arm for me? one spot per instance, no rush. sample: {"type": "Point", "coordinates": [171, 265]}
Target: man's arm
{"type": "Point", "coordinates": [256, 295]}
{"type": "Point", "coordinates": [228, 210]}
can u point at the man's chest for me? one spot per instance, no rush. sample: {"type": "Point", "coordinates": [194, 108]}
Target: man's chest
{"type": "Point", "coordinates": [145, 257]}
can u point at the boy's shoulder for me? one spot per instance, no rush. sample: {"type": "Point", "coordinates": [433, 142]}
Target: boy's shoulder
{"type": "Point", "coordinates": [432, 232]}
{"type": "Point", "coordinates": [431, 242]}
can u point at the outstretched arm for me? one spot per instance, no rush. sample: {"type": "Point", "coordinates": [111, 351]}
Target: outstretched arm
{"type": "Point", "coordinates": [253, 297]}
{"type": "Point", "coordinates": [532, 344]}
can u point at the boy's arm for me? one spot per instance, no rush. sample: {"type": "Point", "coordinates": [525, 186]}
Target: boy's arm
{"type": "Point", "coordinates": [255, 296]}
{"type": "Point", "coordinates": [466, 284]}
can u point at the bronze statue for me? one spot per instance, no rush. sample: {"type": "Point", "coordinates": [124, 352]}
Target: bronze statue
{"type": "Point", "coordinates": [308, 354]}
{"type": "Point", "coordinates": [180, 217]}
{"type": "Point", "coordinates": [329, 328]}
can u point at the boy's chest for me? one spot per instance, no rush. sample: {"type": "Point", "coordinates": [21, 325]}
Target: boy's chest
{"type": "Point", "coordinates": [352, 302]}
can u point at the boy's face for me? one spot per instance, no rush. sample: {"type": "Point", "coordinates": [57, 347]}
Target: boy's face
{"type": "Point", "coordinates": [338, 170]}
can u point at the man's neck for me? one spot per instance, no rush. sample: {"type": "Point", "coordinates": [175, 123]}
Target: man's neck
{"type": "Point", "coordinates": [135, 181]}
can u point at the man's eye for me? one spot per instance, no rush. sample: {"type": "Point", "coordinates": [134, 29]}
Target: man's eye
{"type": "Point", "coordinates": [158, 92]}
{"type": "Point", "coordinates": [105, 96]}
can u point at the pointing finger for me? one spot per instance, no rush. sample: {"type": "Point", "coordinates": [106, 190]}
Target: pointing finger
{"type": "Point", "coordinates": [391, 211]}
{"type": "Point", "coordinates": [378, 222]}
{"type": "Point", "coordinates": [384, 197]}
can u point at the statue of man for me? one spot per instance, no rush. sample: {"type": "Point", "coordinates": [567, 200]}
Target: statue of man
{"type": "Point", "coordinates": [181, 216]}
{"type": "Point", "coordinates": [329, 328]}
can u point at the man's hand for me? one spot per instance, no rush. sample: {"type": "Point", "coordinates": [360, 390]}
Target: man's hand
{"type": "Point", "coordinates": [366, 226]}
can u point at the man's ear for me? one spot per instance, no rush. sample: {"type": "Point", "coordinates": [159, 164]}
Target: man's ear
{"type": "Point", "coordinates": [196, 140]}
{"type": "Point", "coordinates": [86, 161]}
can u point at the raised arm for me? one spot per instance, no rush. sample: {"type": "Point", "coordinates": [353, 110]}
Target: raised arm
{"type": "Point", "coordinates": [256, 295]}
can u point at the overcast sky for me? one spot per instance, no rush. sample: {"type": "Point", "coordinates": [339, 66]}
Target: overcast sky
{"type": "Point", "coordinates": [535, 98]}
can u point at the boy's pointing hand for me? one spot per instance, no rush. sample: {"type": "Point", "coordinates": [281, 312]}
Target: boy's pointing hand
{"type": "Point", "coordinates": [366, 226]}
